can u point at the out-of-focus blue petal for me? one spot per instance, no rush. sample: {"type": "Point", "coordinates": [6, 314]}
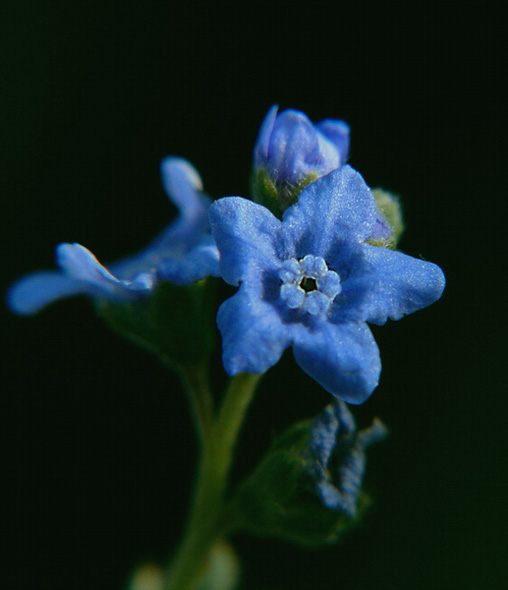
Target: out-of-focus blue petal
{"type": "Point", "coordinates": [373, 434]}
{"type": "Point", "coordinates": [387, 284]}
{"type": "Point", "coordinates": [323, 436]}
{"type": "Point", "coordinates": [336, 208]}
{"type": "Point", "coordinates": [245, 234]}
{"type": "Point", "coordinates": [30, 294]}
{"type": "Point", "coordinates": [342, 358]}
{"type": "Point", "coordinates": [184, 188]}
{"type": "Point", "coordinates": [183, 185]}
{"type": "Point", "coordinates": [263, 140]}
{"type": "Point", "coordinates": [181, 251]}
{"type": "Point", "coordinates": [200, 262]}
{"type": "Point", "coordinates": [79, 263]}
{"type": "Point", "coordinates": [184, 252]}
{"type": "Point", "coordinates": [338, 132]}
{"type": "Point", "coordinates": [333, 434]}
{"type": "Point", "coordinates": [253, 335]}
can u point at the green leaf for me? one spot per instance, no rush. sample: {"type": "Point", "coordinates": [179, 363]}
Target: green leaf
{"type": "Point", "coordinates": [184, 318]}
{"type": "Point", "coordinates": [177, 322]}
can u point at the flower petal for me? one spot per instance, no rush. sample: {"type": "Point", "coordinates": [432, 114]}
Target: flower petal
{"type": "Point", "coordinates": [297, 149]}
{"type": "Point", "coordinates": [253, 335]}
{"type": "Point", "coordinates": [182, 184]}
{"type": "Point", "coordinates": [388, 284]}
{"type": "Point", "coordinates": [184, 188]}
{"type": "Point", "coordinates": [200, 262]}
{"type": "Point", "coordinates": [334, 208]}
{"type": "Point", "coordinates": [79, 263]}
{"type": "Point", "coordinates": [337, 132]}
{"type": "Point", "coordinates": [263, 140]}
{"type": "Point", "coordinates": [30, 294]}
{"type": "Point", "coordinates": [245, 234]}
{"type": "Point", "coordinates": [323, 436]}
{"type": "Point", "coordinates": [342, 358]}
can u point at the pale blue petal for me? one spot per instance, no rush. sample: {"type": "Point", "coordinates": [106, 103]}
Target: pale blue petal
{"type": "Point", "coordinates": [245, 234]}
{"type": "Point", "coordinates": [297, 149]}
{"type": "Point", "coordinates": [263, 140]}
{"type": "Point", "coordinates": [200, 262]}
{"type": "Point", "coordinates": [183, 186]}
{"type": "Point", "coordinates": [387, 284]}
{"type": "Point", "coordinates": [342, 358]}
{"type": "Point", "coordinates": [335, 208]}
{"type": "Point", "coordinates": [338, 133]}
{"type": "Point", "coordinates": [79, 263]}
{"type": "Point", "coordinates": [30, 294]}
{"type": "Point", "coordinates": [253, 335]}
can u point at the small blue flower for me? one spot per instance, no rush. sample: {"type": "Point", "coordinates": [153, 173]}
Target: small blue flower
{"type": "Point", "coordinates": [311, 282]}
{"type": "Point", "coordinates": [290, 148]}
{"type": "Point", "coordinates": [337, 456]}
{"type": "Point", "coordinates": [183, 253]}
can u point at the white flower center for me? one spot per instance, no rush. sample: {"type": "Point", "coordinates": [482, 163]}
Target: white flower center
{"type": "Point", "coordinates": [308, 284]}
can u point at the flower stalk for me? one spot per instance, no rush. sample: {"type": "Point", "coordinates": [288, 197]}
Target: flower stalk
{"type": "Point", "coordinates": [196, 383]}
{"type": "Point", "coordinates": [205, 524]}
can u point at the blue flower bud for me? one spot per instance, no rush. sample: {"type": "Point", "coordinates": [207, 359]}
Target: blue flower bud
{"type": "Point", "coordinates": [308, 487]}
{"type": "Point", "coordinates": [337, 456]}
{"type": "Point", "coordinates": [291, 152]}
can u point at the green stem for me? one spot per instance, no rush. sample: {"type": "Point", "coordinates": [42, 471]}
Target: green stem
{"type": "Point", "coordinates": [195, 380]}
{"type": "Point", "coordinates": [204, 525]}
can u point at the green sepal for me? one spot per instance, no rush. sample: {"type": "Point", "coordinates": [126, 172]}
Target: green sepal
{"type": "Point", "coordinates": [176, 322]}
{"type": "Point", "coordinates": [264, 191]}
{"type": "Point", "coordinates": [390, 207]}
{"type": "Point", "coordinates": [278, 500]}
{"type": "Point", "coordinates": [276, 197]}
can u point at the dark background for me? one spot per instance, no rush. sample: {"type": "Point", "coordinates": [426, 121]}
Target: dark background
{"type": "Point", "coordinates": [97, 445]}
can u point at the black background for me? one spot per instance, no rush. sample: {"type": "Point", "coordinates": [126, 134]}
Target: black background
{"type": "Point", "coordinates": [97, 445]}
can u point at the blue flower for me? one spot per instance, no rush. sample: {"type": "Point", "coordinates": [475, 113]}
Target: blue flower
{"type": "Point", "coordinates": [311, 282]}
{"type": "Point", "coordinates": [290, 148]}
{"type": "Point", "coordinates": [183, 253]}
{"type": "Point", "coordinates": [337, 456]}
